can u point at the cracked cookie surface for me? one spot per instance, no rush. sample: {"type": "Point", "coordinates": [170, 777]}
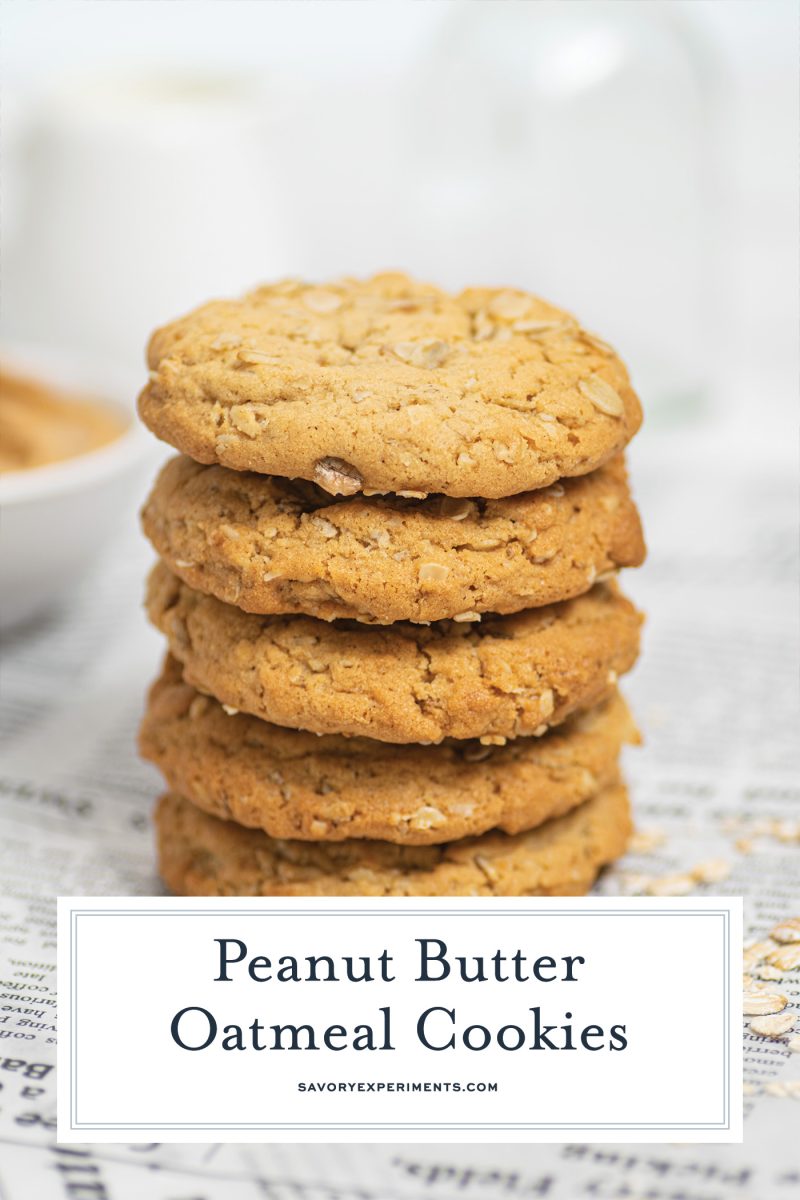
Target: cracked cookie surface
{"type": "Point", "coordinates": [500, 678]}
{"type": "Point", "coordinates": [390, 384]}
{"type": "Point", "coordinates": [202, 856]}
{"type": "Point", "coordinates": [292, 784]}
{"type": "Point", "coordinates": [271, 545]}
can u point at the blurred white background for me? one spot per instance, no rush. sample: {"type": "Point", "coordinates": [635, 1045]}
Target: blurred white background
{"type": "Point", "coordinates": [635, 162]}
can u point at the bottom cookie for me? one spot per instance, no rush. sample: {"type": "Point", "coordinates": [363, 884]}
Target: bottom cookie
{"type": "Point", "coordinates": [200, 855]}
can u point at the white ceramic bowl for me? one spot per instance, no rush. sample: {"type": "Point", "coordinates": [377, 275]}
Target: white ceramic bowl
{"type": "Point", "coordinates": [54, 519]}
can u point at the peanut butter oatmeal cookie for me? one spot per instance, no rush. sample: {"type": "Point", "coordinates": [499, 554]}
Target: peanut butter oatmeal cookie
{"type": "Point", "coordinates": [297, 785]}
{"type": "Point", "coordinates": [202, 856]}
{"type": "Point", "coordinates": [390, 385]}
{"type": "Point", "coordinates": [494, 679]}
{"type": "Point", "coordinates": [271, 545]}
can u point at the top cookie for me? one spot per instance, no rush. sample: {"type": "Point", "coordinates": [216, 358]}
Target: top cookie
{"type": "Point", "coordinates": [390, 385]}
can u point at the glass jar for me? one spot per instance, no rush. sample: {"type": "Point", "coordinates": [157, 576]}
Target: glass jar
{"type": "Point", "coordinates": [567, 148]}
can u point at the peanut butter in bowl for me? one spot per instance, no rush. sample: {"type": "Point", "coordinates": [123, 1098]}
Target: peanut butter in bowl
{"type": "Point", "coordinates": [71, 467]}
{"type": "Point", "coordinates": [40, 425]}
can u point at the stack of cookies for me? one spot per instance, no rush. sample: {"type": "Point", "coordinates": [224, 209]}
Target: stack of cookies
{"type": "Point", "coordinates": [386, 582]}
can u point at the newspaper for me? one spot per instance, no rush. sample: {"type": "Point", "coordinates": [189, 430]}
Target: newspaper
{"type": "Point", "coordinates": [716, 794]}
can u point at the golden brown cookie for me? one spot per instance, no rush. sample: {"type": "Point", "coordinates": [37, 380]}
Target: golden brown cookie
{"type": "Point", "coordinates": [202, 856]}
{"type": "Point", "coordinates": [392, 385]}
{"type": "Point", "coordinates": [297, 785]}
{"type": "Point", "coordinates": [271, 545]}
{"type": "Point", "coordinates": [498, 678]}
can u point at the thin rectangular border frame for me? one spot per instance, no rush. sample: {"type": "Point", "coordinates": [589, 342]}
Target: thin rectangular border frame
{"type": "Point", "coordinates": [725, 1124]}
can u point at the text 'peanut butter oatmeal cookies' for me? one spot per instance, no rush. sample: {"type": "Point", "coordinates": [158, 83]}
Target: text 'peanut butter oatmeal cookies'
{"type": "Point", "coordinates": [499, 678]}
{"type": "Point", "coordinates": [202, 856]}
{"type": "Point", "coordinates": [298, 785]}
{"type": "Point", "coordinates": [271, 545]}
{"type": "Point", "coordinates": [392, 385]}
